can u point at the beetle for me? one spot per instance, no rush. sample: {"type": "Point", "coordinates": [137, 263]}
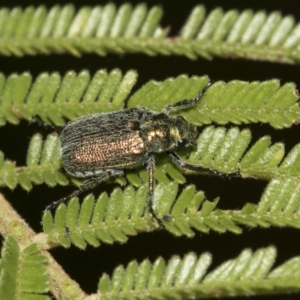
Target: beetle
{"type": "Point", "coordinates": [103, 145]}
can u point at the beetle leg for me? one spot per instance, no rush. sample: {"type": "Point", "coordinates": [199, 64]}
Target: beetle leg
{"type": "Point", "coordinates": [187, 103]}
{"type": "Point", "coordinates": [151, 184]}
{"type": "Point", "coordinates": [87, 185]}
{"type": "Point", "coordinates": [181, 164]}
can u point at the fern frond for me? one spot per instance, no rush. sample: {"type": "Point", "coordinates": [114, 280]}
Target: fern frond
{"type": "Point", "coordinates": [188, 277]}
{"type": "Point", "coordinates": [279, 206]}
{"type": "Point", "coordinates": [127, 29]}
{"type": "Point", "coordinates": [54, 98]}
{"type": "Point", "coordinates": [99, 29]}
{"type": "Point", "coordinates": [236, 101]}
{"type": "Point", "coordinates": [189, 210]}
{"type": "Point", "coordinates": [112, 218]}
{"type": "Point", "coordinates": [122, 214]}
{"type": "Point", "coordinates": [19, 270]}
{"type": "Point", "coordinates": [43, 163]}
{"type": "Point", "coordinates": [246, 34]}
{"type": "Point", "coordinates": [216, 149]}
{"type": "Point", "coordinates": [225, 151]}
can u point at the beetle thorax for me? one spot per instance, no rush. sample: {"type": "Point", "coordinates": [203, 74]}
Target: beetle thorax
{"type": "Point", "coordinates": [187, 133]}
{"type": "Point", "coordinates": [162, 133]}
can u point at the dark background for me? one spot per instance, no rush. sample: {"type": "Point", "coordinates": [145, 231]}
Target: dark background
{"type": "Point", "coordinates": [87, 266]}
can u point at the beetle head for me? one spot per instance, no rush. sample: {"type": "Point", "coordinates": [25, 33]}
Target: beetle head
{"type": "Point", "coordinates": [188, 133]}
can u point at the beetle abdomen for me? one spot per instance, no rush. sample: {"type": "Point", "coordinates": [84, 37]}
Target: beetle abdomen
{"type": "Point", "coordinates": [100, 142]}
{"type": "Point", "coordinates": [95, 153]}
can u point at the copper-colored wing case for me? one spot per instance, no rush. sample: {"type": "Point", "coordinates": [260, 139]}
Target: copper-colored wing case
{"type": "Point", "coordinates": [103, 141]}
